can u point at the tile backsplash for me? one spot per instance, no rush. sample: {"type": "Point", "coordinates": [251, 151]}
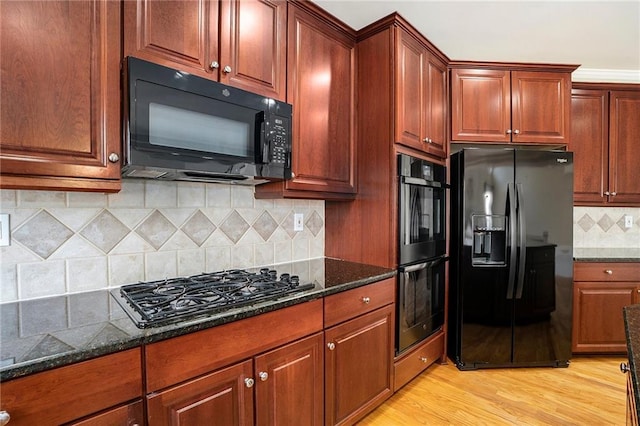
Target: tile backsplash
{"type": "Point", "coordinates": [604, 227]}
{"type": "Point", "coordinates": [70, 242]}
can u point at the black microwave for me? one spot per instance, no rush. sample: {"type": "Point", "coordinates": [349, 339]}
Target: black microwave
{"type": "Point", "coordinates": [178, 126]}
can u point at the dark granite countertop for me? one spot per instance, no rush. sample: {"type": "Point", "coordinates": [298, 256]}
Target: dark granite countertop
{"type": "Point", "coordinates": [632, 329]}
{"type": "Point", "coordinates": [606, 254]}
{"type": "Point", "coordinates": [41, 334]}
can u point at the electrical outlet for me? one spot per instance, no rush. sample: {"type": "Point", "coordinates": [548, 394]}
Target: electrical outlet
{"type": "Point", "coordinates": [298, 220]}
{"type": "Point", "coordinates": [5, 230]}
{"type": "Point", "coordinates": [628, 221]}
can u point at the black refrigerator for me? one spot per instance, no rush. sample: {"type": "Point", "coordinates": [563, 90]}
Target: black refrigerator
{"type": "Point", "coordinates": [511, 258]}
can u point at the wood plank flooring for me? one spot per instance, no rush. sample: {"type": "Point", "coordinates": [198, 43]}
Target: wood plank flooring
{"type": "Point", "coordinates": [591, 391]}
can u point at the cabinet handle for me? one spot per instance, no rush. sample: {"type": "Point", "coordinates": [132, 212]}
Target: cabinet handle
{"type": "Point", "coordinates": [508, 131]}
{"type": "Point", "coordinates": [423, 359]}
{"type": "Point", "coordinates": [624, 368]}
{"type": "Point", "coordinates": [263, 376]}
{"type": "Point", "coordinates": [608, 271]}
{"type": "Point", "coordinates": [4, 418]}
{"type": "Point", "coordinates": [214, 65]}
{"type": "Point", "coordinates": [427, 140]}
{"type": "Point", "coordinates": [226, 69]}
{"type": "Point", "coordinates": [366, 300]}
{"type": "Point", "coordinates": [516, 131]}
{"type": "Point", "coordinates": [614, 193]}
{"type": "Point", "coordinates": [114, 158]}
{"type": "Point", "coordinates": [607, 193]}
{"type": "Point", "coordinates": [249, 382]}
{"type": "Point", "coordinates": [331, 346]}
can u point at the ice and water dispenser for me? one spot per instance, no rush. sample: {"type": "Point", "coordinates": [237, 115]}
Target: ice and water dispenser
{"type": "Point", "coordinates": [489, 240]}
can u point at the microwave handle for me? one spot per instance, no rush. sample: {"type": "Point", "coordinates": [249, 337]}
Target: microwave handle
{"type": "Point", "coordinates": [263, 139]}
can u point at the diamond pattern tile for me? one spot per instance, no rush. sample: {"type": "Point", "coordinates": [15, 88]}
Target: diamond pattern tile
{"type": "Point", "coordinates": [156, 229]}
{"type": "Point", "coordinates": [314, 223]}
{"type": "Point", "coordinates": [234, 226]}
{"type": "Point", "coordinates": [606, 223]}
{"type": "Point", "coordinates": [31, 234]}
{"type": "Point", "coordinates": [586, 222]}
{"type": "Point", "coordinates": [105, 231]}
{"type": "Point", "coordinates": [287, 225]}
{"type": "Point", "coordinates": [198, 228]}
{"type": "Point", "coordinates": [620, 224]}
{"type": "Point", "coordinates": [265, 225]}
{"type": "Point", "coordinates": [49, 345]}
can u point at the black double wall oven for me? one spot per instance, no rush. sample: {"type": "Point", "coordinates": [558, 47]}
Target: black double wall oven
{"type": "Point", "coordinates": [421, 250]}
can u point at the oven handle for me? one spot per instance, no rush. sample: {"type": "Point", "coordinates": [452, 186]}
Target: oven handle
{"type": "Point", "coordinates": [422, 182]}
{"type": "Point", "coordinates": [423, 265]}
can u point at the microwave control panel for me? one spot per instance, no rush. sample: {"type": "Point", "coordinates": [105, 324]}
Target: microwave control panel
{"type": "Point", "coordinates": [279, 140]}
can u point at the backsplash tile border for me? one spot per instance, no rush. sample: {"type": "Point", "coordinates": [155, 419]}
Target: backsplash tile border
{"type": "Point", "coordinates": [603, 227]}
{"type": "Point", "coordinates": [154, 236]}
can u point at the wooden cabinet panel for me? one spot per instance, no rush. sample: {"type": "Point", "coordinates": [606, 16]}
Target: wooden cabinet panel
{"type": "Point", "coordinates": [63, 394]}
{"type": "Point", "coordinates": [290, 384]}
{"type": "Point", "coordinates": [127, 415]}
{"type": "Point", "coordinates": [624, 155]}
{"type": "Point", "coordinates": [60, 118]}
{"type": "Point", "coordinates": [606, 272]}
{"type": "Point", "coordinates": [349, 304]}
{"type": "Point", "coordinates": [417, 360]}
{"type": "Point", "coordinates": [589, 144]}
{"type": "Point", "coordinates": [219, 398]}
{"type": "Point", "coordinates": [437, 107]}
{"type": "Point", "coordinates": [358, 366]}
{"type": "Point", "coordinates": [512, 106]}
{"type": "Point", "coordinates": [240, 43]}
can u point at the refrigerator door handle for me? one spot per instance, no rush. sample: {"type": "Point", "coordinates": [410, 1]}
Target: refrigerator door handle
{"type": "Point", "coordinates": [522, 243]}
{"type": "Point", "coordinates": [511, 196]}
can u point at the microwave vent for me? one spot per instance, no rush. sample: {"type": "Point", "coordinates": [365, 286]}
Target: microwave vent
{"type": "Point", "coordinates": [146, 173]}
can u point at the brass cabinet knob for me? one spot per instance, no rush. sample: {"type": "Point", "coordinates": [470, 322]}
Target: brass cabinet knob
{"type": "Point", "coordinates": [4, 418]}
{"type": "Point", "coordinates": [508, 131]}
{"type": "Point", "coordinates": [214, 65]}
{"type": "Point", "coordinates": [226, 69]}
{"type": "Point", "coordinates": [113, 157]}
{"type": "Point", "coordinates": [608, 271]}
{"type": "Point", "coordinates": [423, 359]}
{"type": "Point", "coordinates": [366, 300]}
{"type": "Point", "coordinates": [624, 368]}
{"type": "Point", "coordinates": [331, 346]}
{"type": "Point", "coordinates": [263, 376]}
{"type": "Point", "coordinates": [516, 131]}
{"type": "Point", "coordinates": [249, 382]}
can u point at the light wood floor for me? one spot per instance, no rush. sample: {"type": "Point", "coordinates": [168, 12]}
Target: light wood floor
{"type": "Point", "coordinates": [591, 391]}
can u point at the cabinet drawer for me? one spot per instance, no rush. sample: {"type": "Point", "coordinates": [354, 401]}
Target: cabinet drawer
{"type": "Point", "coordinates": [63, 394]}
{"type": "Point", "coordinates": [603, 271]}
{"type": "Point", "coordinates": [351, 303]}
{"type": "Point", "coordinates": [182, 358]}
{"type": "Point", "coordinates": [417, 360]}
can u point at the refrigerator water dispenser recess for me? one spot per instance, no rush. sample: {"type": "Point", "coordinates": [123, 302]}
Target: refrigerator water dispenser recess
{"type": "Point", "coordinates": [489, 240]}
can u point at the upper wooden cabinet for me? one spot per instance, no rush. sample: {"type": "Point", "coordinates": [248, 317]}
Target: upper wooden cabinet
{"type": "Point", "coordinates": [605, 134]}
{"type": "Point", "coordinates": [321, 88]}
{"type": "Point", "coordinates": [240, 43]}
{"type": "Point", "coordinates": [504, 105]}
{"type": "Point", "coordinates": [60, 95]}
{"type": "Point", "coordinates": [421, 96]}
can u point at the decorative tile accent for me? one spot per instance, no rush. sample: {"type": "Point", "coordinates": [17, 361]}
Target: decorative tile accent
{"type": "Point", "coordinates": [315, 223]}
{"type": "Point", "coordinates": [43, 243]}
{"type": "Point", "coordinates": [265, 225]}
{"type": "Point", "coordinates": [105, 231]}
{"type": "Point", "coordinates": [234, 226]}
{"type": "Point", "coordinates": [108, 334]}
{"type": "Point", "coordinates": [287, 225]}
{"type": "Point", "coordinates": [49, 345]}
{"type": "Point", "coordinates": [620, 224]}
{"type": "Point", "coordinates": [605, 223]}
{"type": "Point", "coordinates": [156, 229]}
{"type": "Point", "coordinates": [198, 228]}
{"type": "Point", "coordinates": [586, 223]}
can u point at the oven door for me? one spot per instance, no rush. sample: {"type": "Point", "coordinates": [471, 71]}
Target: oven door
{"type": "Point", "coordinates": [420, 309]}
{"type": "Point", "coordinates": [422, 220]}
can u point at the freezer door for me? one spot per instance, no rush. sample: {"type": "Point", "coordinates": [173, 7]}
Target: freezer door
{"type": "Point", "coordinates": [543, 299]}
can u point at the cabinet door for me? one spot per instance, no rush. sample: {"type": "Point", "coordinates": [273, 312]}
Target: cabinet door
{"type": "Point", "coordinates": [175, 33]}
{"type": "Point", "coordinates": [290, 384]}
{"type": "Point", "coordinates": [590, 145]}
{"type": "Point", "coordinates": [253, 37]}
{"type": "Point", "coordinates": [411, 92]}
{"type": "Point", "coordinates": [60, 95]}
{"type": "Point", "coordinates": [480, 105]}
{"type": "Point", "coordinates": [624, 155]}
{"type": "Point", "coordinates": [321, 75]}
{"type": "Point", "coordinates": [358, 363]}
{"type": "Point", "coordinates": [598, 324]}
{"type": "Point", "coordinates": [219, 398]}
{"type": "Point", "coordinates": [129, 415]}
{"type": "Point", "coordinates": [540, 107]}
{"type": "Point", "coordinates": [436, 107]}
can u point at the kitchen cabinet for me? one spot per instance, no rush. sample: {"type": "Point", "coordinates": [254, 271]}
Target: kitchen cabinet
{"type": "Point", "coordinates": [605, 131]}
{"type": "Point", "coordinates": [266, 370]}
{"type": "Point", "coordinates": [600, 291]}
{"type": "Point", "coordinates": [421, 96]}
{"type": "Point", "coordinates": [359, 351]}
{"type": "Point", "coordinates": [417, 359]}
{"type": "Point", "coordinates": [240, 43]}
{"type": "Point", "coordinates": [60, 117]}
{"type": "Point", "coordinates": [321, 88]}
{"type": "Point", "coordinates": [502, 104]}
{"type": "Point", "coordinates": [78, 393]}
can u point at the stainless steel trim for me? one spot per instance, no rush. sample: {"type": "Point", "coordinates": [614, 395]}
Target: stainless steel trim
{"type": "Point", "coordinates": [511, 196]}
{"type": "Point", "coordinates": [522, 244]}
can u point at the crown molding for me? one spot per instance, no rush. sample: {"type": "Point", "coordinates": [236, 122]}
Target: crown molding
{"type": "Point", "coordinates": [605, 76]}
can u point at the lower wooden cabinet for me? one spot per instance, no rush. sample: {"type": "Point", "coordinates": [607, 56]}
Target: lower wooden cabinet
{"type": "Point", "coordinates": [85, 393]}
{"type": "Point", "coordinates": [600, 291]}
{"type": "Point", "coordinates": [418, 359]}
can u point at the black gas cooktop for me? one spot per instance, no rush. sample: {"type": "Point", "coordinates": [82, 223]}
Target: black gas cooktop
{"type": "Point", "coordinates": [162, 302]}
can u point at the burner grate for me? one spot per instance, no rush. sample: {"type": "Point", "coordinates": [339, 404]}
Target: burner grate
{"type": "Point", "coordinates": [171, 300]}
